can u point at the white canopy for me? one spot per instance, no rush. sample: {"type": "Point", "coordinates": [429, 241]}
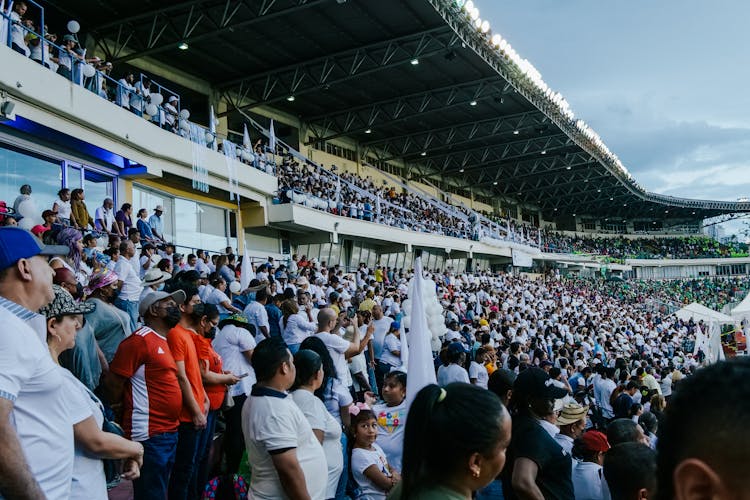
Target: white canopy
{"type": "Point", "coordinates": [742, 311]}
{"type": "Point", "coordinates": [700, 312]}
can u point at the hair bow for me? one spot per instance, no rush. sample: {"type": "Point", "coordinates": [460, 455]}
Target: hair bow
{"type": "Point", "coordinates": [357, 407]}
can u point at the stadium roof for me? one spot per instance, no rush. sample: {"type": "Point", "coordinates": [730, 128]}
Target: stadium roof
{"type": "Point", "coordinates": [409, 80]}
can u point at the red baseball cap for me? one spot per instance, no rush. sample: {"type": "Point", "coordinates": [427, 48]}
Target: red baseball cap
{"type": "Point", "coordinates": [595, 441]}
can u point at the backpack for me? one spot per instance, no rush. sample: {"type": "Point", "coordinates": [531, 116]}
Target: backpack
{"type": "Point", "coordinates": [226, 487]}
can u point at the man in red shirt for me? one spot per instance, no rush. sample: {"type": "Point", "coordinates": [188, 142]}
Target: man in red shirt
{"type": "Point", "coordinates": [143, 376]}
{"type": "Point", "coordinates": [195, 403]}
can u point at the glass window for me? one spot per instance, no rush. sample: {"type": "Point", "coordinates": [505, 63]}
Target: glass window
{"type": "Point", "coordinates": [199, 226]}
{"type": "Point", "coordinates": [97, 186]}
{"type": "Point", "coordinates": [335, 255]}
{"type": "Point", "coordinates": [18, 168]}
{"type": "Point", "coordinates": [145, 198]}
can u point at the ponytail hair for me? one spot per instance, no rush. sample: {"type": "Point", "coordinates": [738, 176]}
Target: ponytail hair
{"type": "Point", "coordinates": [463, 418]}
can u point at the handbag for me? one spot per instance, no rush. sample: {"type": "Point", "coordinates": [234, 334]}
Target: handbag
{"type": "Point", "coordinates": [228, 401]}
{"type": "Point", "coordinates": [112, 467]}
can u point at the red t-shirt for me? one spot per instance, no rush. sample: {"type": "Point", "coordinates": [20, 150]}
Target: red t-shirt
{"type": "Point", "coordinates": [206, 352]}
{"type": "Point", "coordinates": [183, 349]}
{"type": "Point", "coordinates": [152, 398]}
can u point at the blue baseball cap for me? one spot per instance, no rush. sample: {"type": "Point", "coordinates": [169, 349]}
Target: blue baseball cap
{"type": "Point", "coordinates": [456, 347]}
{"type": "Point", "coordinates": [17, 244]}
{"type": "Point", "coordinates": [395, 325]}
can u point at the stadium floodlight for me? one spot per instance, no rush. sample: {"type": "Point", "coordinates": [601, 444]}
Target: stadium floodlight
{"type": "Point", "coordinates": [496, 39]}
{"type": "Point", "coordinates": [459, 3]}
{"type": "Point", "coordinates": [473, 103]}
{"type": "Point", "coordinates": [516, 132]}
{"type": "Point", "coordinates": [290, 98]}
{"type": "Point", "coordinates": [485, 27]}
{"type": "Point", "coordinates": [474, 14]}
{"type": "Point", "coordinates": [368, 131]}
{"type": "Point", "coordinates": [469, 6]}
{"type": "Point", "coordinates": [183, 46]}
{"type": "Point", "coordinates": [478, 23]}
{"type": "Point", "coordinates": [414, 61]}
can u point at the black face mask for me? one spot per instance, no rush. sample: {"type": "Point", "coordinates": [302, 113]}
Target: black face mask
{"type": "Point", "coordinates": [211, 333]}
{"type": "Point", "coordinates": [173, 316]}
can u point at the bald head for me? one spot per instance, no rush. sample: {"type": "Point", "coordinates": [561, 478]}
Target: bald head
{"type": "Point", "coordinates": [326, 319]}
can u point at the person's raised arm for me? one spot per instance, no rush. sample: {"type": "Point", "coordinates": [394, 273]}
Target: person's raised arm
{"type": "Point", "coordinates": [291, 475]}
{"type": "Point", "coordinates": [16, 480]}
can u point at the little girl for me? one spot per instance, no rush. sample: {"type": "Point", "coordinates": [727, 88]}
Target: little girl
{"type": "Point", "coordinates": [369, 466]}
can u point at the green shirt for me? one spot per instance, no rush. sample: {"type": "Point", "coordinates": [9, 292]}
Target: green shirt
{"type": "Point", "coordinates": [433, 493]}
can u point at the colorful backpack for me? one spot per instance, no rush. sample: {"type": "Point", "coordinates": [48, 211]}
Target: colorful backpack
{"type": "Point", "coordinates": [226, 487]}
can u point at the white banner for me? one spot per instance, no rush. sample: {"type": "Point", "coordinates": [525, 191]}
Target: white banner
{"type": "Point", "coordinates": [521, 259]}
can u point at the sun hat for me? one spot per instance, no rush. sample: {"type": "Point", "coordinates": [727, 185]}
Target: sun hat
{"type": "Point", "coordinates": [158, 208]}
{"type": "Point", "coordinates": [64, 304]}
{"type": "Point", "coordinates": [572, 413]}
{"type": "Point", "coordinates": [154, 297]}
{"type": "Point", "coordinates": [238, 320]}
{"type": "Point", "coordinates": [17, 244]}
{"type": "Point", "coordinates": [155, 276]}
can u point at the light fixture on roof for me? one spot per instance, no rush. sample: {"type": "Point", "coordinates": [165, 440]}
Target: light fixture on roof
{"type": "Point", "coordinates": [555, 210]}
{"type": "Point", "coordinates": [568, 167]}
{"type": "Point", "coordinates": [183, 46]}
{"type": "Point", "coordinates": [624, 204]}
{"type": "Point", "coordinates": [368, 131]}
{"type": "Point", "coordinates": [414, 61]}
{"type": "Point", "coordinates": [423, 153]}
{"type": "Point", "coordinates": [473, 103]}
{"type": "Point", "coordinates": [459, 3]}
{"type": "Point", "coordinates": [585, 180]}
{"type": "Point", "coordinates": [494, 183]}
{"type": "Point", "coordinates": [290, 98]}
{"type": "Point", "coordinates": [485, 27]}
{"type": "Point", "coordinates": [574, 215]}
{"type": "Point", "coordinates": [516, 132]}
{"type": "Point", "coordinates": [544, 151]}
{"type": "Point", "coordinates": [478, 23]}
{"type": "Point", "coordinates": [611, 199]}
{"type": "Point", "coordinates": [474, 13]}
{"type": "Point", "coordinates": [461, 170]}
{"type": "Point", "coordinates": [654, 222]}
{"type": "Point", "coordinates": [666, 211]}
{"type": "Point", "coordinates": [496, 40]}
{"type": "Point", "coordinates": [598, 190]}
{"type": "Point", "coordinates": [693, 213]}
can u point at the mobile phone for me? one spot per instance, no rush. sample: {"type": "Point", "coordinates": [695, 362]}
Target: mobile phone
{"type": "Point", "coordinates": [243, 375]}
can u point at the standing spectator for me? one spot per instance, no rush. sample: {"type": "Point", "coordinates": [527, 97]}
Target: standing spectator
{"type": "Point", "coordinates": [125, 90]}
{"type": "Point", "coordinates": [156, 224]}
{"type": "Point", "coordinates": [454, 371]}
{"type": "Point", "coordinates": [79, 211]}
{"type": "Point", "coordinates": [143, 226]}
{"type": "Point", "coordinates": [274, 315]}
{"type": "Point", "coordinates": [143, 376]}
{"type": "Point", "coordinates": [35, 419]}
{"type": "Point", "coordinates": [171, 115]}
{"type": "Point", "coordinates": [147, 259]}
{"type": "Point", "coordinates": [572, 422]}
{"type": "Point", "coordinates": [288, 460]}
{"type": "Point", "coordinates": [257, 315]}
{"type": "Point", "coordinates": [66, 57]}
{"type": "Point", "coordinates": [17, 31]}
{"type": "Point", "coordinates": [630, 472]}
{"type": "Point", "coordinates": [130, 293]}
{"type": "Point", "coordinates": [538, 466]}
{"type": "Point", "coordinates": [588, 477]}
{"type": "Point", "coordinates": [309, 378]}
{"type": "Point", "coordinates": [63, 209]}
{"type": "Point", "coordinates": [623, 402]}
{"type": "Point", "coordinates": [123, 219]}
{"type": "Point", "coordinates": [193, 414]}
{"type": "Point", "coordinates": [235, 344]}
{"type": "Point", "coordinates": [478, 371]}
{"type": "Point", "coordinates": [340, 350]}
{"type": "Point", "coordinates": [104, 217]}
{"type": "Point", "coordinates": [603, 388]}
{"type": "Point", "coordinates": [64, 318]}
{"type": "Point", "coordinates": [224, 270]}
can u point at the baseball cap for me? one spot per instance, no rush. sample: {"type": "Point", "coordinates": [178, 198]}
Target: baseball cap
{"type": "Point", "coordinates": [456, 347]}
{"type": "Point", "coordinates": [64, 304]}
{"type": "Point", "coordinates": [395, 325]}
{"type": "Point", "coordinates": [571, 413]}
{"type": "Point", "coordinates": [17, 244]}
{"type": "Point", "coordinates": [38, 230]}
{"type": "Point", "coordinates": [158, 208]}
{"type": "Point", "coordinates": [595, 441]}
{"type": "Point", "coordinates": [154, 297]}
{"type": "Point", "coordinates": [535, 382]}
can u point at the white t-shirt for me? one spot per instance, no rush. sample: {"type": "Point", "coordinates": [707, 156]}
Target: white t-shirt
{"type": "Point", "coordinates": [391, 425]}
{"type": "Point", "coordinates": [217, 297]}
{"type": "Point", "coordinates": [391, 344]}
{"type": "Point", "coordinates": [230, 342]}
{"type": "Point", "coordinates": [297, 329]}
{"type": "Point", "coordinates": [357, 364]}
{"type": "Point", "coordinates": [382, 326]}
{"type": "Point", "coordinates": [63, 208]}
{"type": "Point", "coordinates": [89, 482]}
{"type": "Point", "coordinates": [42, 415]}
{"type": "Point", "coordinates": [131, 283]}
{"type": "Point", "coordinates": [361, 460]}
{"type": "Point", "coordinates": [107, 215]}
{"type": "Point", "coordinates": [602, 391]}
{"type": "Point", "coordinates": [479, 372]}
{"type": "Point", "coordinates": [273, 422]}
{"type": "Point", "coordinates": [588, 481]}
{"type": "Point", "coordinates": [257, 315]}
{"type": "Point", "coordinates": [319, 418]}
{"type": "Point", "coordinates": [336, 397]}
{"type": "Point", "coordinates": [451, 373]}
{"type": "Point", "coordinates": [337, 346]}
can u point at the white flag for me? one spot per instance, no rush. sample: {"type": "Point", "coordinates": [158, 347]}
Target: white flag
{"type": "Point", "coordinates": [212, 127]}
{"type": "Point", "coordinates": [246, 270]}
{"type": "Point", "coordinates": [271, 138]}
{"type": "Point", "coordinates": [246, 138]}
{"type": "Point", "coordinates": [421, 367]}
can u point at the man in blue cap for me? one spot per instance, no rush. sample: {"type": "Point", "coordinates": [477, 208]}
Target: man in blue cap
{"type": "Point", "coordinates": [36, 429]}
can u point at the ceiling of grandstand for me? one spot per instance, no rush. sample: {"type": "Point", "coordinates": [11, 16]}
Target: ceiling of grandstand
{"type": "Point", "coordinates": [408, 80]}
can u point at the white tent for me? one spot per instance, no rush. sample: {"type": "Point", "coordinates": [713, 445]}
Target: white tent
{"type": "Point", "coordinates": [709, 342]}
{"type": "Point", "coordinates": [700, 312]}
{"type": "Point", "coordinates": [742, 311]}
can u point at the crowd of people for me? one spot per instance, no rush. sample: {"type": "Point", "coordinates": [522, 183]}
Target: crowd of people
{"type": "Point", "coordinates": [546, 388]}
{"type": "Point", "coordinates": [689, 247]}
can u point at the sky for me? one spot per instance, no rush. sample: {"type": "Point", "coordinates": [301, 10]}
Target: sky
{"type": "Point", "coordinates": [663, 82]}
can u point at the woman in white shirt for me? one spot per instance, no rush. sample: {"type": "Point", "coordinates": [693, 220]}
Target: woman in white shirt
{"type": "Point", "coordinates": [390, 357]}
{"type": "Point", "coordinates": [294, 328]}
{"type": "Point", "coordinates": [309, 378]}
{"type": "Point", "coordinates": [220, 299]}
{"type": "Point", "coordinates": [62, 206]}
{"type": "Point", "coordinates": [64, 319]}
